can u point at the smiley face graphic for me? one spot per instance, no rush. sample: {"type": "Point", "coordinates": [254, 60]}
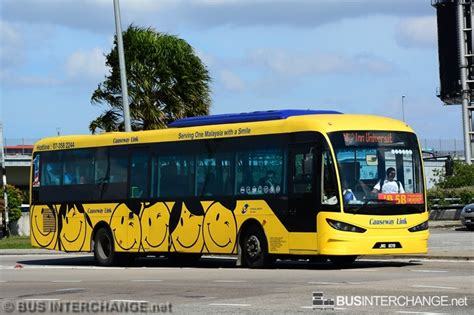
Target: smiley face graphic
{"type": "Point", "coordinates": [155, 227]}
{"type": "Point", "coordinates": [73, 227]}
{"type": "Point", "coordinates": [125, 225]}
{"type": "Point", "coordinates": [186, 222]}
{"type": "Point", "coordinates": [220, 229]}
{"type": "Point", "coordinates": [44, 226]}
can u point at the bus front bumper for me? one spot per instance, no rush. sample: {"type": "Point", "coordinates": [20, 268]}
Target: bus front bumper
{"type": "Point", "coordinates": [380, 243]}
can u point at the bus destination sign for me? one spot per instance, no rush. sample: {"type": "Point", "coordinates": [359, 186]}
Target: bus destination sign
{"type": "Point", "coordinates": [368, 137]}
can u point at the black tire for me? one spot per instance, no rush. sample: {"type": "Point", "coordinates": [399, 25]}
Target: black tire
{"type": "Point", "coordinates": [104, 250]}
{"type": "Point", "coordinates": [255, 248]}
{"type": "Point", "coordinates": [343, 261]}
{"type": "Point", "coordinates": [470, 227]}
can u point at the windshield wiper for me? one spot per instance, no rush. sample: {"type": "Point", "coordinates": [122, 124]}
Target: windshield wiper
{"type": "Point", "coordinates": [367, 201]}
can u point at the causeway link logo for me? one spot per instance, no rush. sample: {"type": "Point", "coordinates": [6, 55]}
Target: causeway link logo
{"type": "Point", "coordinates": [320, 303]}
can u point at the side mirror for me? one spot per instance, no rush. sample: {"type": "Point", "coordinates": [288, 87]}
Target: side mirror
{"type": "Point", "coordinates": [449, 167]}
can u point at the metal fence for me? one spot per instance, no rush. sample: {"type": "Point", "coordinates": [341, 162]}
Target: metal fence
{"type": "Point", "coordinates": [19, 141]}
{"type": "Point", "coordinates": [453, 147]}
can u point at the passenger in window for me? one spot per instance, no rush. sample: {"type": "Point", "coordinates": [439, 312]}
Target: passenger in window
{"type": "Point", "coordinates": [389, 185]}
{"type": "Point", "coordinates": [348, 194]}
{"type": "Point", "coordinates": [53, 175]}
{"type": "Point", "coordinates": [84, 180]}
{"type": "Point", "coordinates": [69, 177]}
{"type": "Point", "coordinates": [268, 182]}
{"type": "Point", "coordinates": [211, 186]}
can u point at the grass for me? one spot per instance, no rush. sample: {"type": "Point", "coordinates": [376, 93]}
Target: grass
{"type": "Point", "coordinates": [15, 242]}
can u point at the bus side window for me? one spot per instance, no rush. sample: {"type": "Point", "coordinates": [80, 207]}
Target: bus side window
{"type": "Point", "coordinates": [139, 172]}
{"type": "Point", "coordinates": [259, 172]}
{"type": "Point", "coordinates": [329, 183]}
{"type": "Point", "coordinates": [51, 171]}
{"type": "Point", "coordinates": [176, 176]}
{"type": "Point", "coordinates": [303, 172]}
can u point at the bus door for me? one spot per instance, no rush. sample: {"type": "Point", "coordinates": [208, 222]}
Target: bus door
{"type": "Point", "coordinates": [302, 202]}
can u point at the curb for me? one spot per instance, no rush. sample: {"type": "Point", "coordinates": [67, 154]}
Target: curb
{"type": "Point", "coordinates": [428, 257]}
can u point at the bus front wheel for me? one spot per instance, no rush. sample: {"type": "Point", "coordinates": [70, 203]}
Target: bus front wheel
{"type": "Point", "coordinates": [255, 248]}
{"type": "Point", "coordinates": [104, 251]}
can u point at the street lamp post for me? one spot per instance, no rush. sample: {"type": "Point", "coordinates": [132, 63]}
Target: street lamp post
{"type": "Point", "coordinates": [123, 75]}
{"type": "Point", "coordinates": [403, 107]}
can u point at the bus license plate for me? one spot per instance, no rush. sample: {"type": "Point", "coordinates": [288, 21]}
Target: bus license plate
{"type": "Point", "coordinates": [387, 245]}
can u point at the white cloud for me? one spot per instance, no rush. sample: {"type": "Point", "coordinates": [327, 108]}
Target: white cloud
{"type": "Point", "coordinates": [204, 13]}
{"type": "Point", "coordinates": [231, 81]}
{"type": "Point", "coordinates": [295, 64]}
{"type": "Point", "coordinates": [86, 65]}
{"type": "Point", "coordinates": [417, 32]}
{"type": "Point", "coordinates": [9, 78]}
{"type": "Point", "coordinates": [11, 45]}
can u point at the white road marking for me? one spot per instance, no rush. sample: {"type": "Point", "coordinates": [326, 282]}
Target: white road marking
{"type": "Point", "coordinates": [66, 281]}
{"type": "Point", "coordinates": [66, 267]}
{"type": "Point", "coordinates": [315, 307]}
{"type": "Point", "coordinates": [146, 280]}
{"type": "Point", "coordinates": [228, 304]}
{"type": "Point", "coordinates": [332, 283]}
{"type": "Point", "coordinates": [425, 313]}
{"type": "Point", "coordinates": [129, 301]}
{"type": "Point", "coordinates": [69, 289]}
{"type": "Point", "coordinates": [434, 287]}
{"type": "Point", "coordinates": [40, 299]}
{"type": "Point", "coordinates": [429, 270]}
{"type": "Point", "coordinates": [230, 281]}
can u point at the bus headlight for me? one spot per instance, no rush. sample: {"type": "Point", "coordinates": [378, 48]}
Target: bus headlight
{"type": "Point", "coordinates": [420, 227]}
{"type": "Point", "coordinates": [346, 227]}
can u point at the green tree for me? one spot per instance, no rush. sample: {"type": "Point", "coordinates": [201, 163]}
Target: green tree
{"type": "Point", "coordinates": [166, 81]}
{"type": "Point", "coordinates": [463, 176]}
{"type": "Point", "coordinates": [15, 198]}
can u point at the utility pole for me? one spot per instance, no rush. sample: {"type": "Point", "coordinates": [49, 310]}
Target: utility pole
{"type": "Point", "coordinates": [4, 184]}
{"type": "Point", "coordinates": [123, 74]}
{"type": "Point", "coordinates": [403, 107]}
{"type": "Point", "coordinates": [464, 80]}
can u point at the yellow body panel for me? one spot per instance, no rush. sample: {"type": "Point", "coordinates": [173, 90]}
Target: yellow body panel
{"type": "Point", "coordinates": [320, 123]}
{"type": "Point", "coordinates": [334, 242]}
{"type": "Point", "coordinates": [153, 229]}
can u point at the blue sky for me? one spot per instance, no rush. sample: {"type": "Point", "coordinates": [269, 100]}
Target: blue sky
{"type": "Point", "coordinates": [355, 56]}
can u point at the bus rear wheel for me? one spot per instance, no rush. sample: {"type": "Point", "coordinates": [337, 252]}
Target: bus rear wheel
{"type": "Point", "coordinates": [255, 248]}
{"type": "Point", "coordinates": [104, 251]}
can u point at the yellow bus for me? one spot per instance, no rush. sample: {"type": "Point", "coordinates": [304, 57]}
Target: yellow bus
{"type": "Point", "coordinates": [262, 185]}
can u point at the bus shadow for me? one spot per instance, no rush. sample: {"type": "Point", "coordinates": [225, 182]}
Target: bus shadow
{"type": "Point", "coordinates": [213, 263]}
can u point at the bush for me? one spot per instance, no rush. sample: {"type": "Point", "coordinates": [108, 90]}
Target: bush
{"type": "Point", "coordinates": [463, 176]}
{"type": "Point", "coordinates": [443, 197]}
{"type": "Point", "coordinates": [15, 198]}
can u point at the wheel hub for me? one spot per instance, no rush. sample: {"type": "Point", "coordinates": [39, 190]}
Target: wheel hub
{"type": "Point", "coordinates": [253, 246]}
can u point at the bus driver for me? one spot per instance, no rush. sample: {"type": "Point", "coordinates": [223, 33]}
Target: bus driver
{"type": "Point", "coordinates": [389, 185]}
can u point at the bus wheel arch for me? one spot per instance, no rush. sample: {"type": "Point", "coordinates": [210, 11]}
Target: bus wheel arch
{"type": "Point", "coordinates": [103, 245]}
{"type": "Point", "coordinates": [253, 245]}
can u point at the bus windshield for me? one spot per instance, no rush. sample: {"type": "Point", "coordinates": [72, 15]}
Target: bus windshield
{"type": "Point", "coordinates": [380, 172]}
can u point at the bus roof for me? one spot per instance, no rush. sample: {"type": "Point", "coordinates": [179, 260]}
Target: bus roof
{"type": "Point", "coordinates": [246, 117]}
{"type": "Point", "coordinates": [283, 122]}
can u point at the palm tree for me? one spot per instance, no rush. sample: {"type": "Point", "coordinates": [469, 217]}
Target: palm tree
{"type": "Point", "coordinates": [166, 81]}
